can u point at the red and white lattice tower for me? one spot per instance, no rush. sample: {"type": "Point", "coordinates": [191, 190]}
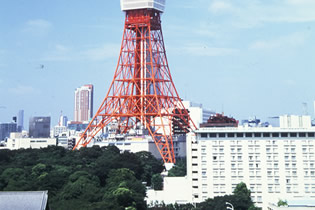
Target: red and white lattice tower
{"type": "Point", "coordinates": [142, 91]}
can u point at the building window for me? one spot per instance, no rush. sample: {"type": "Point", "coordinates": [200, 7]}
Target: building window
{"type": "Point", "coordinates": [275, 134]}
{"type": "Point", "coordinates": [248, 135]}
{"type": "Point", "coordinates": [240, 135]}
{"type": "Point", "coordinates": [293, 134]}
{"type": "Point", "coordinates": [257, 134]}
{"type": "Point", "coordinates": [302, 134]}
{"type": "Point", "coordinates": [311, 134]}
{"type": "Point", "coordinates": [204, 135]}
{"type": "Point", "coordinates": [266, 135]}
{"type": "Point", "coordinates": [284, 134]}
{"type": "Point", "coordinates": [221, 135]}
{"type": "Point", "coordinates": [231, 135]}
{"type": "Point", "coordinates": [213, 135]}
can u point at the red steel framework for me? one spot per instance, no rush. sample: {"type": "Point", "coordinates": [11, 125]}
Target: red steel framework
{"type": "Point", "coordinates": [142, 90]}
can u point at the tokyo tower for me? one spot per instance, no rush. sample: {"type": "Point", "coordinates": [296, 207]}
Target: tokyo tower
{"type": "Point", "coordinates": [142, 93]}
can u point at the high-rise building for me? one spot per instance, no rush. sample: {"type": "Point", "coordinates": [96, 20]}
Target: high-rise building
{"type": "Point", "coordinates": [39, 127]}
{"type": "Point", "coordinates": [83, 103]}
{"type": "Point", "coordinates": [6, 129]}
{"type": "Point", "coordinates": [20, 121]}
{"type": "Point", "coordinates": [63, 120]}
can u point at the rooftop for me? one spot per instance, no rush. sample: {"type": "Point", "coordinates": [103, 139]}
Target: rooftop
{"type": "Point", "coordinates": [35, 200]}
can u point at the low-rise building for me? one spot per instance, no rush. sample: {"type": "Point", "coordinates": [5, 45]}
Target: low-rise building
{"type": "Point", "coordinates": [143, 143]}
{"type": "Point", "coordinates": [25, 143]}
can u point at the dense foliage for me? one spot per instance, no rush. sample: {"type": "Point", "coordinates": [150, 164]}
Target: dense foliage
{"type": "Point", "coordinates": [179, 169]}
{"type": "Point", "coordinates": [91, 178]}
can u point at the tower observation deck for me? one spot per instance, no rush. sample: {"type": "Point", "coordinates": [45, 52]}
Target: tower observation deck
{"type": "Point", "coordinates": [142, 4]}
{"type": "Point", "coordinates": [142, 94]}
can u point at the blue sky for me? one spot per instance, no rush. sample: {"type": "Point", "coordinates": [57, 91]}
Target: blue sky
{"type": "Point", "coordinates": [244, 57]}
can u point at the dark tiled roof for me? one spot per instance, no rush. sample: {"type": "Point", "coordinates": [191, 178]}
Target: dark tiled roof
{"type": "Point", "coordinates": [24, 200]}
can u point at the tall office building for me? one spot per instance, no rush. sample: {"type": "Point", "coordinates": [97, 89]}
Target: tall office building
{"type": "Point", "coordinates": [83, 103]}
{"type": "Point", "coordinates": [39, 127]}
{"type": "Point", "coordinates": [20, 121]}
{"type": "Point", "coordinates": [63, 120]}
{"type": "Point", "coordinates": [6, 129]}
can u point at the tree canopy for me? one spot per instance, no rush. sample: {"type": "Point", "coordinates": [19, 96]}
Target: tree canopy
{"type": "Point", "coordinates": [89, 178]}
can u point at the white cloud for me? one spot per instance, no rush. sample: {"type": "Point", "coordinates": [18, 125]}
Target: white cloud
{"type": "Point", "coordinates": [198, 49]}
{"type": "Point", "coordinates": [38, 27]}
{"type": "Point", "coordinates": [64, 53]}
{"type": "Point", "coordinates": [59, 53]}
{"type": "Point", "coordinates": [292, 40]}
{"type": "Point", "coordinates": [301, 2]}
{"type": "Point", "coordinates": [250, 13]}
{"type": "Point", "coordinates": [23, 90]}
{"type": "Point", "coordinates": [101, 53]}
{"type": "Point", "coordinates": [220, 6]}
{"type": "Point", "coordinates": [61, 48]}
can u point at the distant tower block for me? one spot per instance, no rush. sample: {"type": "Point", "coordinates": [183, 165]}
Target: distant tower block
{"type": "Point", "coordinates": [142, 93]}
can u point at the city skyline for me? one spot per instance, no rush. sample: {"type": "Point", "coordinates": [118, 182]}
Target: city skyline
{"type": "Point", "coordinates": [248, 58]}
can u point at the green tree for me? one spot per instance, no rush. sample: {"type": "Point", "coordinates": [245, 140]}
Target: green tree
{"type": "Point", "coordinates": [150, 166]}
{"type": "Point", "coordinates": [122, 183]}
{"type": "Point", "coordinates": [157, 182]}
{"type": "Point", "coordinates": [242, 197]}
{"type": "Point", "coordinates": [82, 186]}
{"type": "Point", "coordinates": [13, 179]}
{"type": "Point", "coordinates": [179, 169]}
{"type": "Point", "coordinates": [282, 203]}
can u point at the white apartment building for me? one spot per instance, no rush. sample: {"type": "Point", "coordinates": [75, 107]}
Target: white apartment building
{"type": "Point", "coordinates": [274, 162]}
